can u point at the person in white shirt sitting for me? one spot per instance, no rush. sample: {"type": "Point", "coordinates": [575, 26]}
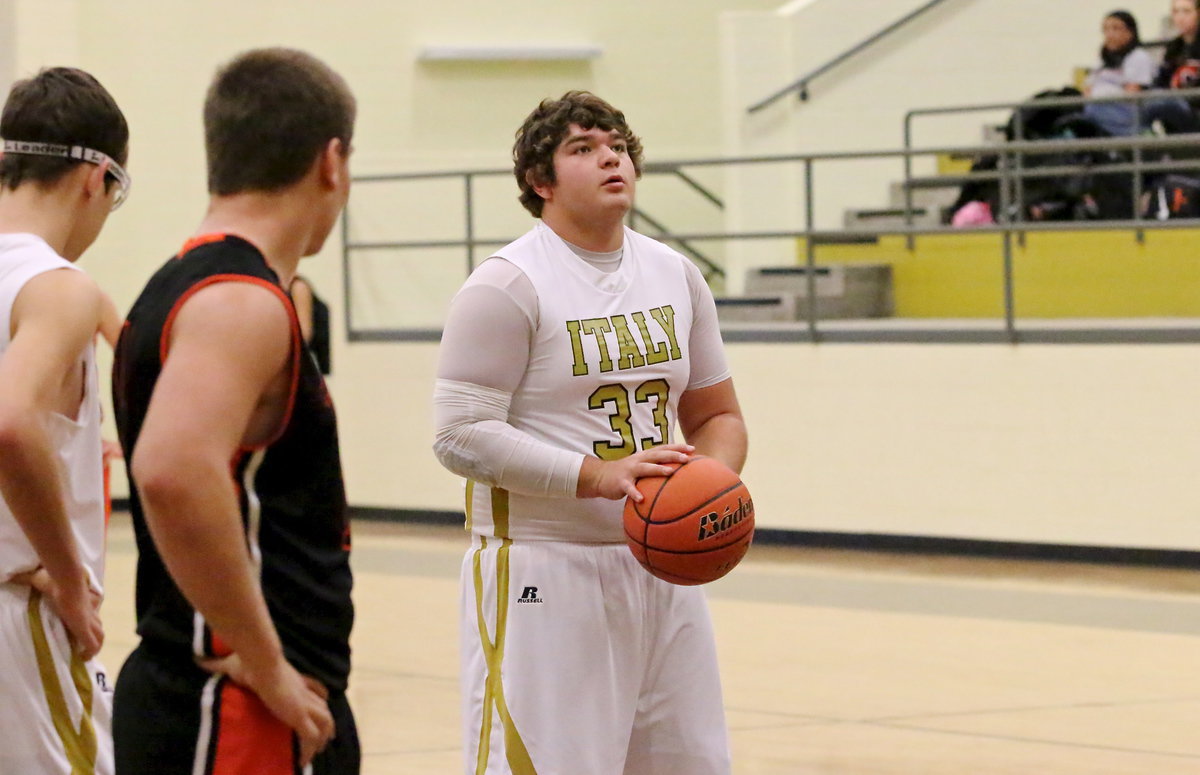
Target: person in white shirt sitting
{"type": "Point", "coordinates": [1125, 68]}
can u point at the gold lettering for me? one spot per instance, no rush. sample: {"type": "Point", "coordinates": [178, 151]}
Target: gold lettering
{"type": "Point", "coordinates": [579, 367]}
{"type": "Point", "coordinates": [630, 356]}
{"type": "Point", "coordinates": [656, 352]}
{"type": "Point", "coordinates": [665, 316]}
{"type": "Point", "coordinates": [597, 328]}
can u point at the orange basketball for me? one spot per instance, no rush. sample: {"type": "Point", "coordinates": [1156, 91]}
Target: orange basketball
{"type": "Point", "coordinates": [694, 524]}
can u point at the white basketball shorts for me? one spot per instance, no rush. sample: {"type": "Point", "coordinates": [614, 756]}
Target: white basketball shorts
{"type": "Point", "coordinates": [56, 713]}
{"type": "Point", "coordinates": [576, 661]}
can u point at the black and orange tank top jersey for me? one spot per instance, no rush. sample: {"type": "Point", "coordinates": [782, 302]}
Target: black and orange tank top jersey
{"type": "Point", "coordinates": [291, 493]}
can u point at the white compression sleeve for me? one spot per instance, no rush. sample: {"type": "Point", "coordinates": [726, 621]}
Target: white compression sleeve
{"type": "Point", "coordinates": [475, 440]}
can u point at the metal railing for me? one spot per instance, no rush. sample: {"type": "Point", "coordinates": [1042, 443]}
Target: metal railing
{"type": "Point", "coordinates": [800, 85]}
{"type": "Point", "coordinates": [708, 267]}
{"type": "Point", "coordinates": [1012, 154]}
{"type": "Point", "coordinates": [637, 217]}
{"type": "Point", "coordinates": [811, 329]}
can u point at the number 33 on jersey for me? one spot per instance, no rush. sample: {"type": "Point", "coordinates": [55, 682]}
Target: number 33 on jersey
{"type": "Point", "coordinates": [615, 397]}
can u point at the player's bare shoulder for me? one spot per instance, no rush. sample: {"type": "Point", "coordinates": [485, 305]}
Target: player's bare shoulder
{"type": "Point", "coordinates": [245, 337]}
{"type": "Point", "coordinates": [66, 299]}
{"type": "Point", "coordinates": [236, 315]}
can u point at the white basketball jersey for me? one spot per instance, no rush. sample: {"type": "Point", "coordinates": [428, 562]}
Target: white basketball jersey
{"type": "Point", "coordinates": [75, 440]}
{"type": "Point", "coordinates": [607, 365]}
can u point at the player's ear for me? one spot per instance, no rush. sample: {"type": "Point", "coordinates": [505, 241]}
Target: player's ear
{"type": "Point", "coordinates": [540, 187]}
{"type": "Point", "coordinates": [94, 183]}
{"type": "Point", "coordinates": [332, 163]}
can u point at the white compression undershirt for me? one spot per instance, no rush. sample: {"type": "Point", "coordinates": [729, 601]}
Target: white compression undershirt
{"type": "Point", "coordinates": [477, 377]}
{"type": "Point", "coordinates": [475, 440]}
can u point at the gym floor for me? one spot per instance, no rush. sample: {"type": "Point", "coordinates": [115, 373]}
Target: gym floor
{"type": "Point", "coordinates": [834, 663]}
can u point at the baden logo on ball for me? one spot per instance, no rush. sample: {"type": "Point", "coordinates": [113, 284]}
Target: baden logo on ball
{"type": "Point", "coordinates": [693, 525]}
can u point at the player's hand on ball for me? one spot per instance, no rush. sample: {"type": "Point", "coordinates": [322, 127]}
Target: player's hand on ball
{"type": "Point", "coordinates": [297, 700]}
{"type": "Point", "coordinates": [693, 525]}
{"type": "Point", "coordinates": [615, 479]}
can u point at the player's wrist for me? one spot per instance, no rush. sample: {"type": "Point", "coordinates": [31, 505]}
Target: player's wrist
{"type": "Point", "coordinates": [263, 661]}
{"type": "Point", "coordinates": [69, 581]}
{"type": "Point", "coordinates": [264, 673]}
{"type": "Point", "coordinates": [590, 474]}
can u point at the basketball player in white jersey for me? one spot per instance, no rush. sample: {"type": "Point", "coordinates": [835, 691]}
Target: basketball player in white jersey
{"type": "Point", "coordinates": [60, 175]}
{"type": "Point", "coordinates": [566, 362]}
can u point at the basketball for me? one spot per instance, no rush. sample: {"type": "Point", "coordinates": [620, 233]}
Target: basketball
{"type": "Point", "coordinates": [694, 524]}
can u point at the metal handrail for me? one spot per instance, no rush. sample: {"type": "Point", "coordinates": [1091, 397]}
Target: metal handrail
{"type": "Point", "coordinates": [664, 168]}
{"type": "Point", "coordinates": [710, 268]}
{"type": "Point", "coordinates": [879, 153]}
{"type": "Point", "coordinates": [1017, 148]}
{"type": "Point", "coordinates": [1146, 95]}
{"type": "Point", "coordinates": [685, 244]}
{"type": "Point", "coordinates": [811, 234]}
{"type": "Point", "coordinates": [699, 188]}
{"type": "Point", "coordinates": [801, 84]}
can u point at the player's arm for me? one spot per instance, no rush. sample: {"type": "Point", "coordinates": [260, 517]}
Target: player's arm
{"type": "Point", "coordinates": [229, 345]}
{"type": "Point", "coordinates": [711, 420]}
{"type": "Point", "coordinates": [482, 360]}
{"type": "Point", "coordinates": [110, 329]}
{"type": "Point", "coordinates": [709, 414]}
{"type": "Point", "coordinates": [109, 326]}
{"type": "Point", "coordinates": [53, 320]}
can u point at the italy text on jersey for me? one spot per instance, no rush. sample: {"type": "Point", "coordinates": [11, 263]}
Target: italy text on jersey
{"type": "Point", "coordinates": [657, 349]}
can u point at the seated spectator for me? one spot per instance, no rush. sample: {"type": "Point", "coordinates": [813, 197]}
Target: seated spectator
{"type": "Point", "coordinates": [1125, 68]}
{"type": "Point", "coordinates": [1181, 61]}
{"type": "Point", "coordinates": [1180, 70]}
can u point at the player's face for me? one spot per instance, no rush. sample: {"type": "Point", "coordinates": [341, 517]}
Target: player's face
{"type": "Point", "coordinates": [594, 173]}
{"type": "Point", "coordinates": [1185, 17]}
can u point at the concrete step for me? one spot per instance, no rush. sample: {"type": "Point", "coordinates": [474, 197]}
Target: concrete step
{"type": "Point", "coordinates": [841, 290]}
{"type": "Point", "coordinates": [756, 308]}
{"type": "Point", "coordinates": [922, 197]}
{"type": "Point", "coordinates": [891, 218]}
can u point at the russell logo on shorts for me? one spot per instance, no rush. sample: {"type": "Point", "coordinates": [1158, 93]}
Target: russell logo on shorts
{"type": "Point", "coordinates": [530, 595]}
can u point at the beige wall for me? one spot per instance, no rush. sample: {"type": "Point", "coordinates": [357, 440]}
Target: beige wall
{"type": "Point", "coordinates": [1093, 445]}
{"type": "Point", "coordinates": [1086, 444]}
{"type": "Point", "coordinates": [1061, 444]}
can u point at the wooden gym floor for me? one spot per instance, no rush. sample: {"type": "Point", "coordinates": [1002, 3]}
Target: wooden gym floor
{"type": "Point", "coordinates": [834, 663]}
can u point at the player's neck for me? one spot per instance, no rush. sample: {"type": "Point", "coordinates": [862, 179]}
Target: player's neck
{"type": "Point", "coordinates": [46, 213]}
{"type": "Point", "coordinates": [599, 235]}
{"type": "Point", "coordinates": [276, 224]}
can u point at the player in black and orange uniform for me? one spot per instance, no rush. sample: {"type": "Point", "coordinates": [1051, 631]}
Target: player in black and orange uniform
{"type": "Point", "coordinates": [243, 589]}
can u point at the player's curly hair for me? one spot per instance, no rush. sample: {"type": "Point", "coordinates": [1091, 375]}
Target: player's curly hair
{"type": "Point", "coordinates": [547, 126]}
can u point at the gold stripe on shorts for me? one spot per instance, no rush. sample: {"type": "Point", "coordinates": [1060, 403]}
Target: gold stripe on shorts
{"type": "Point", "coordinates": [80, 745]}
{"type": "Point", "coordinates": [470, 501]}
{"type": "Point", "coordinates": [518, 757]}
{"type": "Point", "coordinates": [500, 512]}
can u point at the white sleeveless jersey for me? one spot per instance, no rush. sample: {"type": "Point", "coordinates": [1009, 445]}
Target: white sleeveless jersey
{"type": "Point", "coordinates": [75, 440]}
{"type": "Point", "coordinates": [607, 365]}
